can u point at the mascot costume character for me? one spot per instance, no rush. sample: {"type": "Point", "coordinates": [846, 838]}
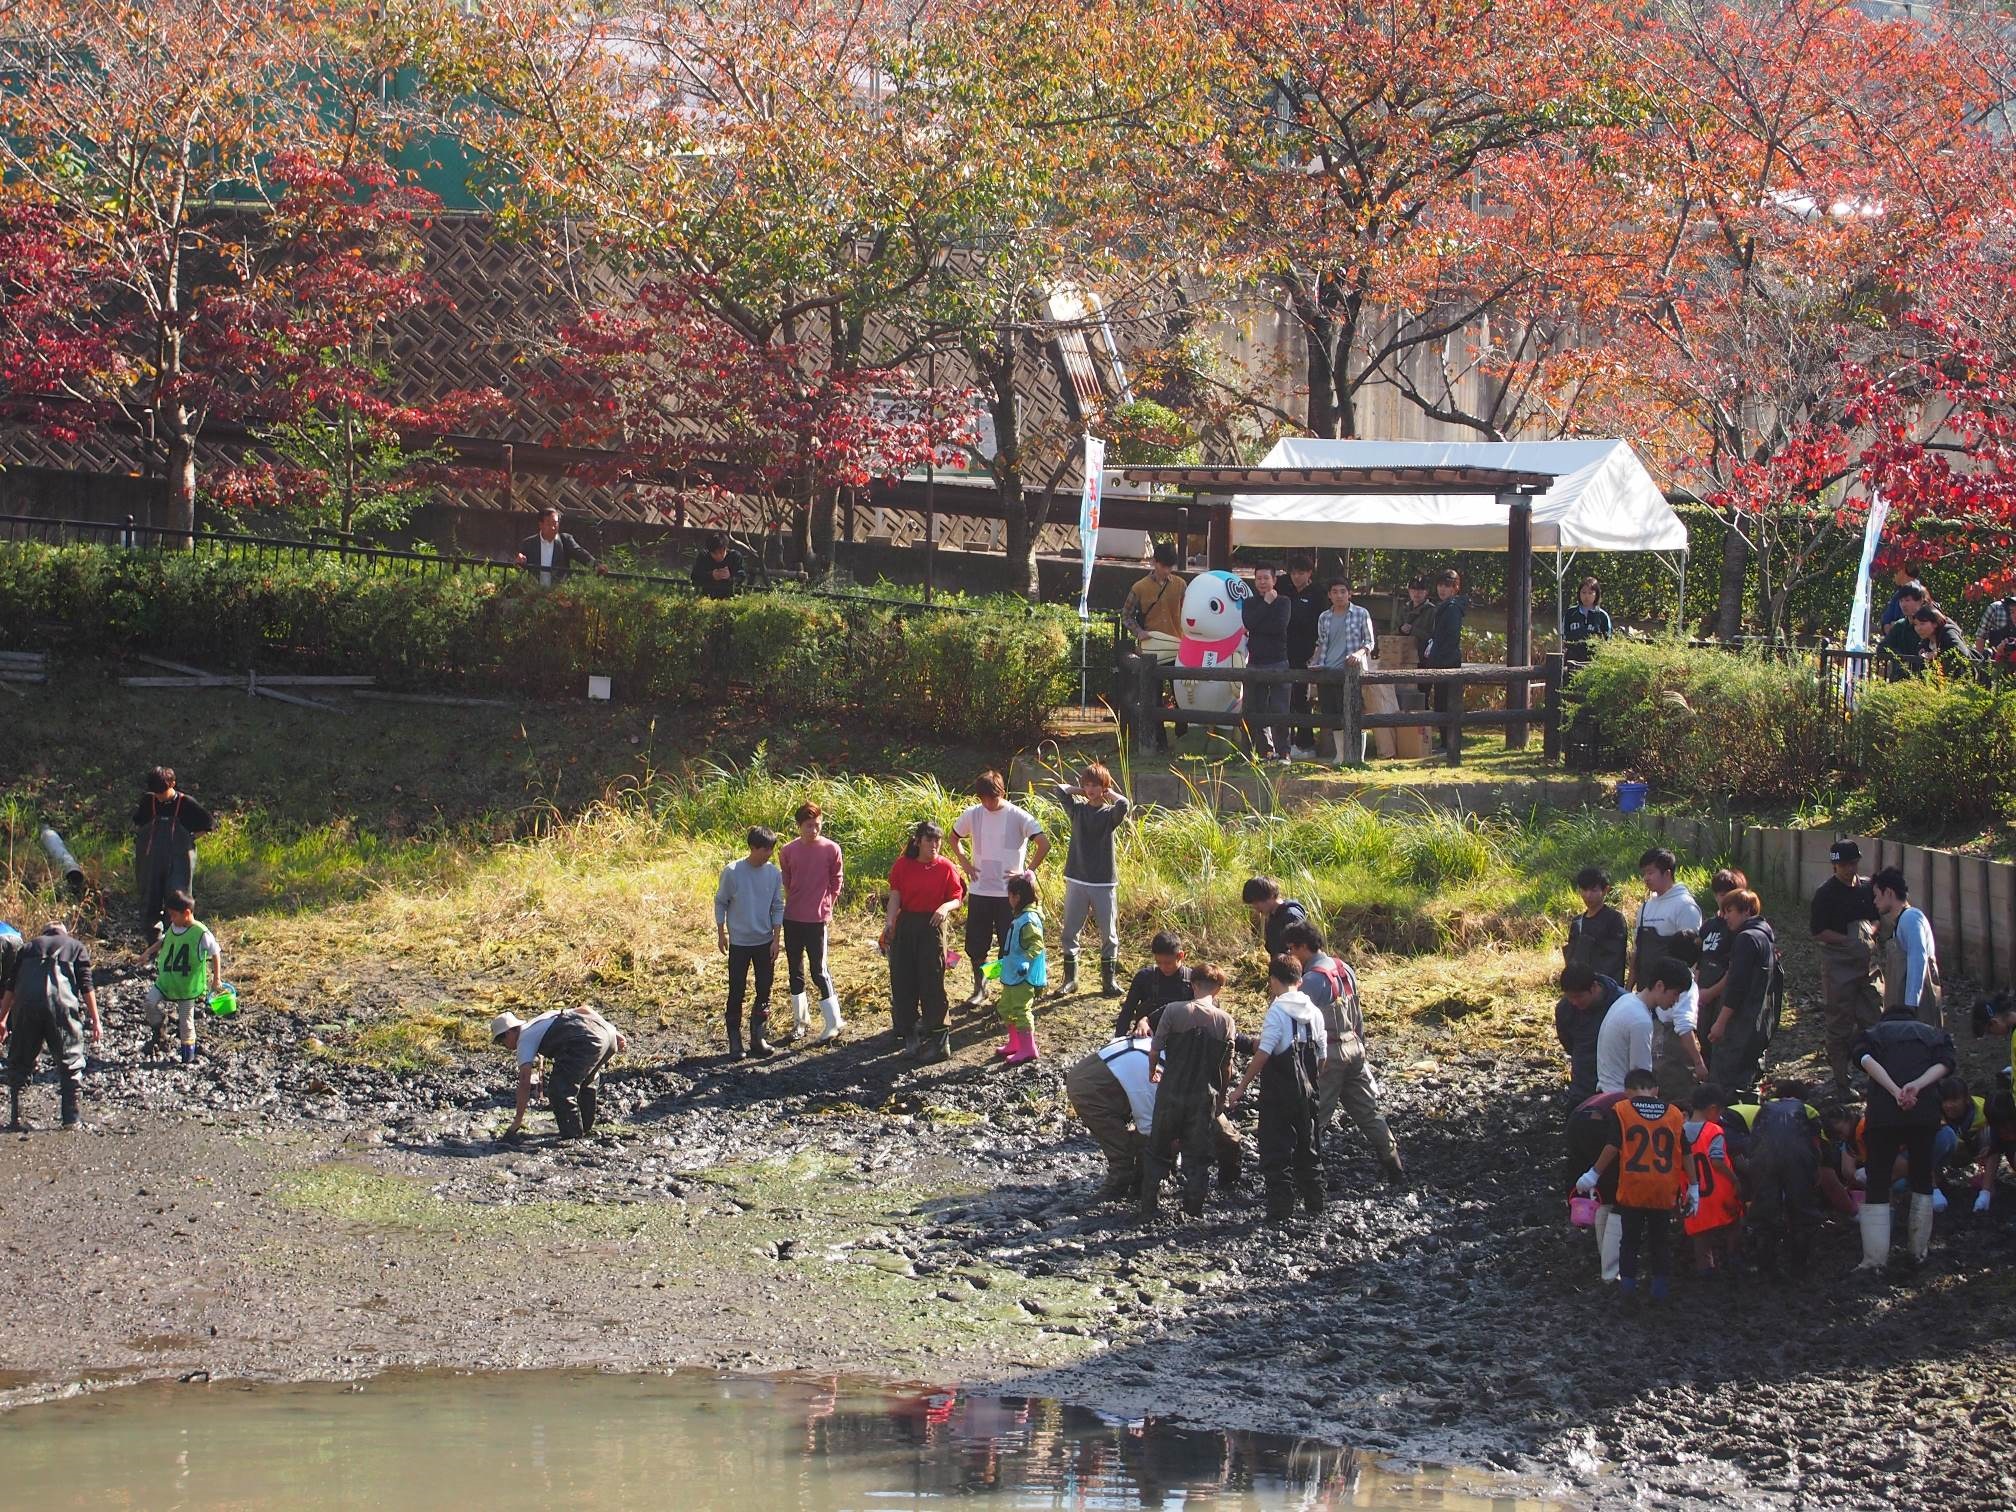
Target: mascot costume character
{"type": "Point", "coordinates": [1214, 635]}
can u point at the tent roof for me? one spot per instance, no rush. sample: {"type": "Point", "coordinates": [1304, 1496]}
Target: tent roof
{"type": "Point", "coordinates": [1600, 499]}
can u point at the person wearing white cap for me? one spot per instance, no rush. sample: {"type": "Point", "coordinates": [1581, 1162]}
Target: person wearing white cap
{"type": "Point", "coordinates": [1844, 922]}
{"type": "Point", "coordinates": [579, 1042]}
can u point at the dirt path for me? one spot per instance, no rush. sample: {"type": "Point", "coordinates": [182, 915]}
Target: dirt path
{"type": "Point", "coordinates": [275, 1215]}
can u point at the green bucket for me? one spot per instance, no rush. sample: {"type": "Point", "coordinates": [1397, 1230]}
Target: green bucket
{"type": "Point", "coordinates": [224, 1001]}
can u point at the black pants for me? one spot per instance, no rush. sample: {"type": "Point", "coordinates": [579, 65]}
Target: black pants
{"type": "Point", "coordinates": [740, 959]}
{"type": "Point", "coordinates": [917, 974]}
{"type": "Point", "coordinates": [1298, 703]}
{"type": "Point", "coordinates": [1783, 1210]}
{"type": "Point", "coordinates": [1288, 1140]}
{"type": "Point", "coordinates": [35, 1028]}
{"type": "Point", "coordinates": [579, 1047]}
{"type": "Point", "coordinates": [1882, 1147]}
{"type": "Point", "coordinates": [805, 944]}
{"type": "Point", "coordinates": [1190, 1117]}
{"type": "Point", "coordinates": [1647, 1232]}
{"type": "Point", "coordinates": [987, 921]}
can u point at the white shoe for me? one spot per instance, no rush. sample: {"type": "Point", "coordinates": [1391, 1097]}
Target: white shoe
{"type": "Point", "coordinates": [1302, 753]}
{"type": "Point", "coordinates": [829, 1010]}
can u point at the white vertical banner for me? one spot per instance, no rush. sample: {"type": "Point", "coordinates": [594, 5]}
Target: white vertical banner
{"type": "Point", "coordinates": [1088, 519]}
{"type": "Point", "coordinates": [1872, 536]}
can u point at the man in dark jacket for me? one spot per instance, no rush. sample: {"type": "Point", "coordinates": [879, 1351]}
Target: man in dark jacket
{"type": "Point", "coordinates": [1192, 1053]}
{"type": "Point", "coordinates": [1267, 614]}
{"type": "Point", "coordinates": [1306, 603]}
{"type": "Point", "coordinates": [43, 1001]}
{"type": "Point", "coordinates": [552, 553]}
{"type": "Point", "coordinates": [1274, 913]}
{"type": "Point", "coordinates": [1742, 1027]}
{"type": "Point", "coordinates": [1154, 988]}
{"type": "Point", "coordinates": [718, 571]}
{"type": "Point", "coordinates": [1445, 639]}
{"type": "Point", "coordinates": [1586, 996]}
{"type": "Point", "coordinates": [1900, 653]}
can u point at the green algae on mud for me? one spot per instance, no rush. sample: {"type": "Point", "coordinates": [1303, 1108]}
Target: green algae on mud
{"type": "Point", "coordinates": [807, 1216]}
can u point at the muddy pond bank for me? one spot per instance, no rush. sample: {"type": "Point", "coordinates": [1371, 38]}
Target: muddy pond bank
{"type": "Point", "coordinates": [276, 1216]}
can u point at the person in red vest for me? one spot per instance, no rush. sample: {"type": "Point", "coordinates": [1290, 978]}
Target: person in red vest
{"type": "Point", "coordinates": [1646, 1172]}
{"type": "Point", "coordinates": [1717, 1223]}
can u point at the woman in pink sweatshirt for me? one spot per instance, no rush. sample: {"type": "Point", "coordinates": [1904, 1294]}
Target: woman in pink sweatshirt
{"type": "Point", "coordinates": [813, 872]}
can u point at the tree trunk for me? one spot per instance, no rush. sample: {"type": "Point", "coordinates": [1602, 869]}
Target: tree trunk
{"type": "Point", "coordinates": [1020, 574]}
{"type": "Point", "coordinates": [1322, 375]}
{"type": "Point", "coordinates": [819, 558]}
{"type": "Point", "coordinates": [179, 484]}
{"type": "Point", "coordinates": [1735, 569]}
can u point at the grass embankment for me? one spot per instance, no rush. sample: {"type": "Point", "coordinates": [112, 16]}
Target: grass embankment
{"type": "Point", "coordinates": [401, 951]}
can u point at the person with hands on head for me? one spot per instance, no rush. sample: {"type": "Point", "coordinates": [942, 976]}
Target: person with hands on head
{"type": "Point", "coordinates": [1647, 1172]}
{"type": "Point", "coordinates": [551, 554]}
{"type": "Point", "coordinates": [1287, 1063]}
{"type": "Point", "coordinates": [578, 1042]}
{"type": "Point", "coordinates": [925, 890]}
{"type": "Point", "coordinates": [48, 981]}
{"type": "Point", "coordinates": [1091, 883]}
{"type": "Point", "coordinates": [748, 923]}
{"type": "Point", "coordinates": [992, 840]}
{"type": "Point", "coordinates": [1902, 1056]}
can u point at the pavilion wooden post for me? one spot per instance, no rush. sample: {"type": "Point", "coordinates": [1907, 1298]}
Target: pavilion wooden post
{"type": "Point", "coordinates": [1218, 535]}
{"type": "Point", "coordinates": [1518, 606]}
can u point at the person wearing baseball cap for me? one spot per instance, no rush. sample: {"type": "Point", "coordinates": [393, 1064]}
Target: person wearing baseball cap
{"type": "Point", "coordinates": [578, 1042]}
{"type": "Point", "coordinates": [1851, 977]}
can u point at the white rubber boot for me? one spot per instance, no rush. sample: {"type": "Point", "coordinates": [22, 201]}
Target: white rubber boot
{"type": "Point", "coordinates": [1921, 1225]}
{"type": "Point", "coordinates": [1609, 1239]}
{"type": "Point", "coordinates": [1875, 1221]}
{"type": "Point", "coordinates": [801, 1020]}
{"type": "Point", "coordinates": [829, 1009]}
{"type": "Point", "coordinates": [1337, 740]}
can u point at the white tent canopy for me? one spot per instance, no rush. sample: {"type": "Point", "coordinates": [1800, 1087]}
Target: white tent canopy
{"type": "Point", "coordinates": [1602, 499]}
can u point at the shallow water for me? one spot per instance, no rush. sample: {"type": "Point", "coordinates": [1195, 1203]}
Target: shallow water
{"type": "Point", "coordinates": [690, 1439]}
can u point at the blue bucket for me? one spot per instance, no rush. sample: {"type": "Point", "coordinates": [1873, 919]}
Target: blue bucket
{"type": "Point", "coordinates": [1631, 796]}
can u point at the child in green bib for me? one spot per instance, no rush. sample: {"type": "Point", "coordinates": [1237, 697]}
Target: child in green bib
{"type": "Point", "coordinates": [186, 964]}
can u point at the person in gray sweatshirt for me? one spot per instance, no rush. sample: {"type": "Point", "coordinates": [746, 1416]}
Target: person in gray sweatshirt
{"type": "Point", "coordinates": [749, 921]}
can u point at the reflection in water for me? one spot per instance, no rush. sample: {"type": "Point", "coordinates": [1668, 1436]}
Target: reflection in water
{"type": "Point", "coordinates": [691, 1439]}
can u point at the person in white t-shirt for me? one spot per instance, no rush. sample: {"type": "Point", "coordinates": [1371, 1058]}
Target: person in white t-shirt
{"type": "Point", "coordinates": [578, 1043]}
{"type": "Point", "coordinates": [1669, 909]}
{"type": "Point", "coordinates": [1624, 1043]}
{"type": "Point", "coordinates": [1289, 1058]}
{"type": "Point", "coordinates": [1112, 1091]}
{"type": "Point", "coordinates": [992, 841]}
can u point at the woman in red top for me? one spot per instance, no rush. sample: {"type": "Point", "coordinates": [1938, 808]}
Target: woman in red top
{"type": "Point", "coordinates": [924, 891]}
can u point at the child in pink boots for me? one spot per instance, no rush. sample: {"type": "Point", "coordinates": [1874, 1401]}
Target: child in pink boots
{"type": "Point", "coordinates": [1024, 970]}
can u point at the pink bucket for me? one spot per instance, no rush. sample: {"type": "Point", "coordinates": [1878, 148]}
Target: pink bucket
{"type": "Point", "coordinates": [1582, 1211]}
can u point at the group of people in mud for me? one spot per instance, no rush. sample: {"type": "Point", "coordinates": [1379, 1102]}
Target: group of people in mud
{"type": "Point", "coordinates": [1672, 1122]}
{"type": "Point", "coordinates": [48, 1000]}
{"type": "Point", "coordinates": [1157, 1098]}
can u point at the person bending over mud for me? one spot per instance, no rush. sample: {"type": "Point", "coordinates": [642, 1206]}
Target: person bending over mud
{"type": "Point", "coordinates": [578, 1042]}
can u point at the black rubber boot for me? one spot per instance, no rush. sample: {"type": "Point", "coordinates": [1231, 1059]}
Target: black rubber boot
{"type": "Point", "coordinates": [73, 1095]}
{"type": "Point", "coordinates": [589, 1107]}
{"type": "Point", "coordinates": [938, 1049]}
{"type": "Point", "coordinates": [1396, 1173]}
{"type": "Point", "coordinates": [15, 1123]}
{"type": "Point", "coordinates": [1109, 977]}
{"type": "Point", "coordinates": [913, 1044]}
{"type": "Point", "coordinates": [1149, 1204]}
{"type": "Point", "coordinates": [567, 1116]}
{"type": "Point", "coordinates": [758, 1045]}
{"type": "Point", "coordinates": [734, 1042]}
{"type": "Point", "coordinates": [1310, 1189]}
{"type": "Point", "coordinates": [1121, 1181]}
{"type": "Point", "coordinates": [1069, 985]}
{"type": "Point", "coordinates": [1280, 1197]}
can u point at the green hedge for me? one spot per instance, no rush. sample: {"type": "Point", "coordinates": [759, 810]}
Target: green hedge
{"type": "Point", "coordinates": [1709, 724]}
{"type": "Point", "coordinates": [976, 676]}
{"type": "Point", "coordinates": [1938, 752]}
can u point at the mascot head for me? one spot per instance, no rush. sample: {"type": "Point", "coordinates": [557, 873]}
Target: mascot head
{"type": "Point", "coordinates": [1211, 606]}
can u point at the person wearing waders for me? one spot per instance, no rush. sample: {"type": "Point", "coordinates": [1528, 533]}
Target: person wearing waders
{"type": "Point", "coordinates": [1669, 909]}
{"type": "Point", "coordinates": [1904, 1057]}
{"type": "Point", "coordinates": [1844, 920]}
{"type": "Point", "coordinates": [1113, 1094]}
{"type": "Point", "coordinates": [165, 826]}
{"type": "Point", "coordinates": [579, 1042]}
{"type": "Point", "coordinates": [1272, 912]}
{"type": "Point", "coordinates": [187, 961]}
{"type": "Point", "coordinates": [1154, 987]}
{"type": "Point", "coordinates": [1287, 1063]}
{"type": "Point", "coordinates": [1781, 1175]}
{"type": "Point", "coordinates": [44, 999]}
{"type": "Point", "coordinates": [1646, 1173]}
{"type": "Point", "coordinates": [924, 892]}
{"type": "Point", "coordinates": [1910, 957]}
{"type": "Point", "coordinates": [1347, 1078]}
{"type": "Point", "coordinates": [1024, 969]}
{"type": "Point", "coordinates": [1192, 1054]}
{"type": "Point", "coordinates": [1742, 1026]}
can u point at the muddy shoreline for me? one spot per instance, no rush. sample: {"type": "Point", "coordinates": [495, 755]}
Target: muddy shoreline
{"type": "Point", "coordinates": [273, 1214]}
